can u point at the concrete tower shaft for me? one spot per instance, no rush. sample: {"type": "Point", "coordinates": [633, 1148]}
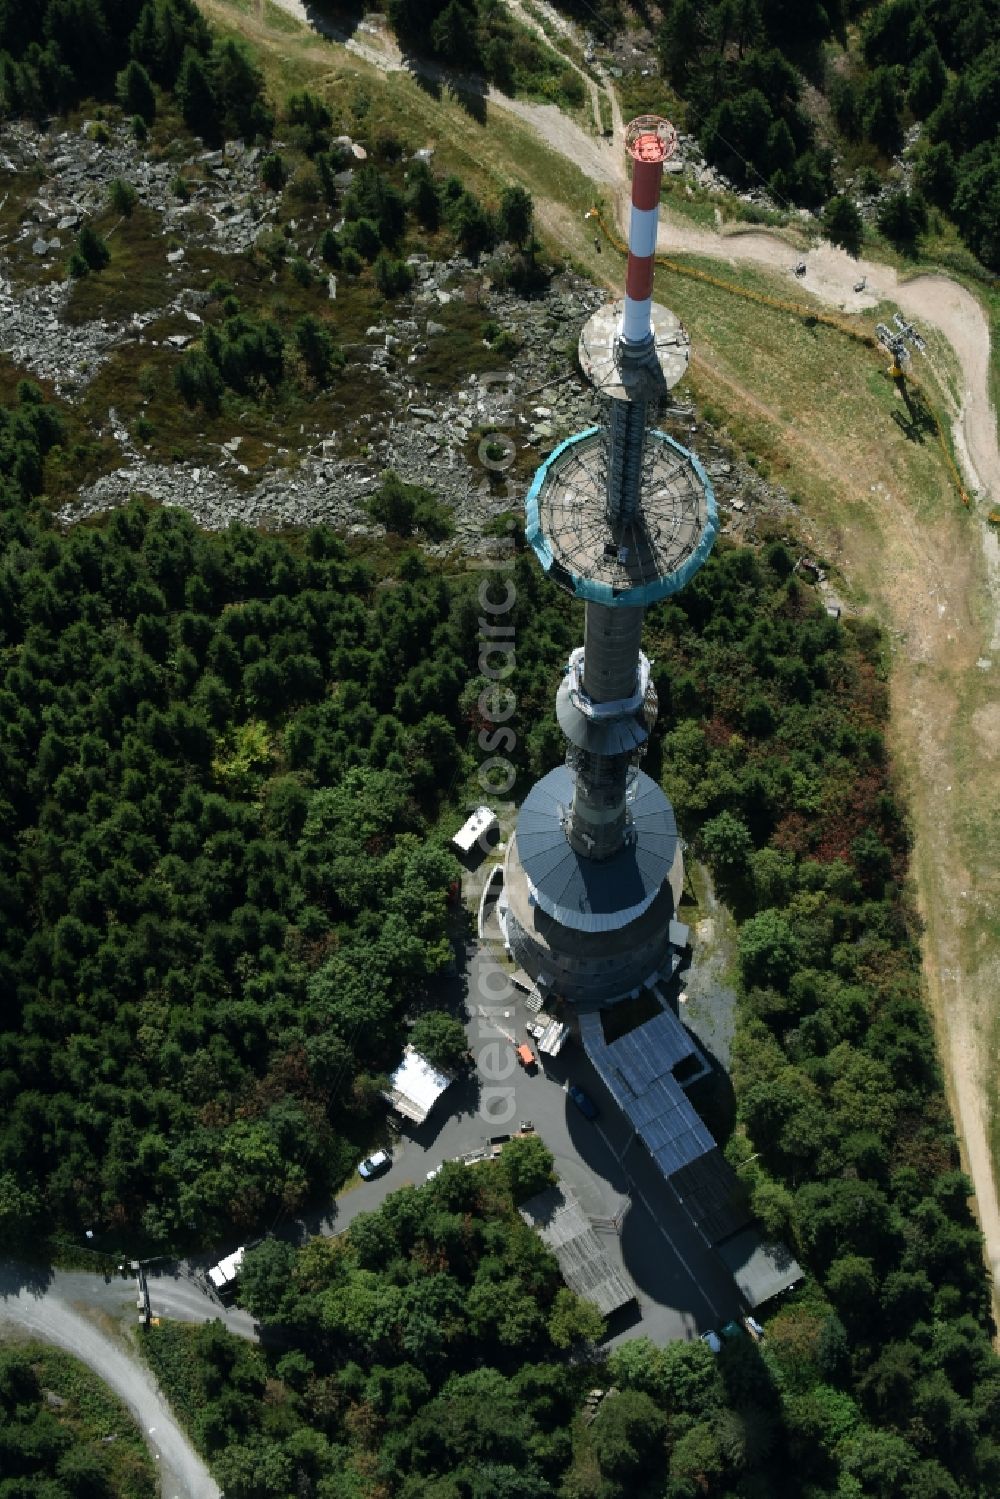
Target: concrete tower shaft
{"type": "Point", "coordinates": [598, 818]}
{"type": "Point", "coordinates": [626, 443]}
{"type": "Point", "coordinates": [611, 652]}
{"type": "Point", "coordinates": [621, 516]}
{"type": "Point", "coordinates": [610, 680]}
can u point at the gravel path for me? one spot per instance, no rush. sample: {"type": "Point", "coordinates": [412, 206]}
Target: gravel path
{"type": "Point", "coordinates": [47, 1313]}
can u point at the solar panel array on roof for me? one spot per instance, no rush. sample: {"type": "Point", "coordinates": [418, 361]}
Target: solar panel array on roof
{"type": "Point", "coordinates": [636, 1070]}
{"type": "Point", "coordinates": [652, 1048]}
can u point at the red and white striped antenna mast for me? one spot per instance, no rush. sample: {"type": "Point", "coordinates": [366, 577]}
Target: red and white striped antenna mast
{"type": "Point", "coordinates": [650, 141]}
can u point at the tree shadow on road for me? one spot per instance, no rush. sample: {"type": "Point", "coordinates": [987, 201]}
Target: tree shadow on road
{"type": "Point", "coordinates": [17, 1276]}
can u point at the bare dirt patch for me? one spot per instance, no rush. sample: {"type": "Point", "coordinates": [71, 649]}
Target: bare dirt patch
{"type": "Point", "coordinates": [986, 723]}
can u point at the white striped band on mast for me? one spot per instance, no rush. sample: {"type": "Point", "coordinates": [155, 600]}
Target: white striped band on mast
{"type": "Point", "coordinates": [649, 141]}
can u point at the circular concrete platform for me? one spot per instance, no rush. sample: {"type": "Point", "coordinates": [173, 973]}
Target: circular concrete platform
{"type": "Point", "coordinates": [599, 339]}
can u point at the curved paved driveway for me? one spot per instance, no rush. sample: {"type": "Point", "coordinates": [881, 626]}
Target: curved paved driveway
{"type": "Point", "coordinates": [43, 1310]}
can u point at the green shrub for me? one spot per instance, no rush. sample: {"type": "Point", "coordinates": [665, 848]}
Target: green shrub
{"type": "Point", "coordinates": [374, 198]}
{"type": "Point", "coordinates": [304, 186]}
{"type": "Point", "coordinates": [198, 380]}
{"type": "Point", "coordinates": [506, 342]}
{"type": "Point", "coordinates": [329, 248]}
{"type": "Point", "coordinates": [842, 223]}
{"type": "Point", "coordinates": [273, 172]}
{"type": "Point", "coordinates": [309, 121]}
{"type": "Point", "coordinates": [134, 89]}
{"type": "Point", "coordinates": [405, 508]}
{"type": "Point", "coordinates": [388, 147]}
{"type": "Point", "coordinates": [316, 349]}
{"type": "Point", "coordinates": [441, 1038]}
{"type": "Point", "coordinates": [122, 197]}
{"type": "Point", "coordinates": [92, 248]}
{"type": "Point", "coordinates": [272, 246]}
{"type": "Point", "coordinates": [471, 225]}
{"type": "Point", "coordinates": [422, 197]}
{"type": "Point", "coordinates": [148, 380]}
{"type": "Point", "coordinates": [392, 277]}
{"type": "Point", "coordinates": [570, 88]}
{"type": "Point", "coordinates": [302, 272]}
{"type": "Point", "coordinates": [902, 218]}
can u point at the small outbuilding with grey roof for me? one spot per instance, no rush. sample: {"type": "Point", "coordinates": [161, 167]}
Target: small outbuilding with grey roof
{"type": "Point", "coordinates": [584, 1261]}
{"type": "Point", "coordinates": [479, 826]}
{"type": "Point", "coordinates": [761, 1269]}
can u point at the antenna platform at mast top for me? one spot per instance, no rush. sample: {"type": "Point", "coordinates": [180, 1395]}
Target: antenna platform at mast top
{"type": "Point", "coordinates": [650, 138]}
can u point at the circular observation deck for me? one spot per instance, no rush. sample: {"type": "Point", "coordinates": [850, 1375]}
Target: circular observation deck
{"type": "Point", "coordinates": [623, 563]}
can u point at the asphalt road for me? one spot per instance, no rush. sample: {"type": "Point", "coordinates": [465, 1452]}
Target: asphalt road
{"type": "Point", "coordinates": [177, 1292]}
{"type": "Point", "coordinates": [683, 1288]}
{"type": "Point", "coordinates": [44, 1308]}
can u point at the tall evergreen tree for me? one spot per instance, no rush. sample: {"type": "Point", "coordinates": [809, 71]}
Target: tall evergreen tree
{"type": "Point", "coordinates": [135, 92]}
{"type": "Point", "coordinates": [196, 96]}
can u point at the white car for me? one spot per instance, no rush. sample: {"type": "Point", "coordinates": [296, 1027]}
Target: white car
{"type": "Point", "coordinates": [432, 1174]}
{"type": "Point", "coordinates": [713, 1340]}
{"type": "Point", "coordinates": [375, 1165]}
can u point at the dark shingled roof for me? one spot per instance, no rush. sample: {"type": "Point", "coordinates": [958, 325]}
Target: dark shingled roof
{"type": "Point", "coordinates": [762, 1270]}
{"type": "Point", "coordinates": [583, 1259]}
{"type": "Point", "coordinates": [588, 892]}
{"type": "Point", "coordinates": [714, 1196]}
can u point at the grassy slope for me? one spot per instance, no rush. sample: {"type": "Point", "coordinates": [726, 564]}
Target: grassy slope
{"type": "Point", "coordinates": [880, 506]}
{"type": "Point", "coordinates": [93, 1415]}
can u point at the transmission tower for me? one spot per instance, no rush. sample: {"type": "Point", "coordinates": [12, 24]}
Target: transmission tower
{"type": "Point", "coordinates": [620, 516]}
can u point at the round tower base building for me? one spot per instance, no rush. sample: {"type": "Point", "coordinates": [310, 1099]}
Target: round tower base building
{"type": "Point", "coordinates": [592, 931]}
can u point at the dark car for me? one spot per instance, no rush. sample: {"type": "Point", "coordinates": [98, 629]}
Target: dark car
{"type": "Point", "coordinates": [584, 1102]}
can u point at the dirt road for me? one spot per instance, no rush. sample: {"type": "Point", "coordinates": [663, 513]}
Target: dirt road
{"type": "Point", "coordinates": [46, 1313]}
{"type": "Point", "coordinates": [931, 300]}
{"type": "Point", "coordinates": [933, 637]}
